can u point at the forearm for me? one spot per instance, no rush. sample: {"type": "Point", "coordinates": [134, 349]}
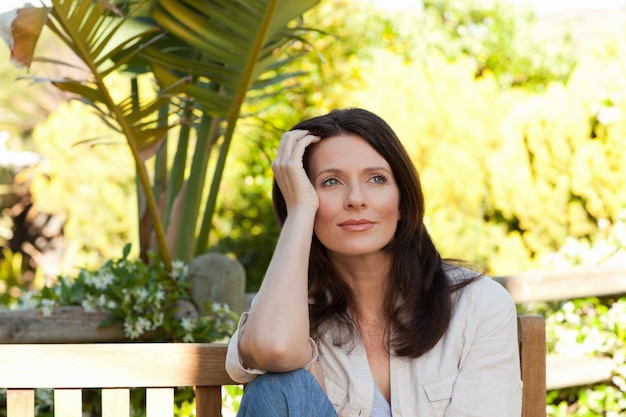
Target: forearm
{"type": "Point", "coordinates": [276, 335]}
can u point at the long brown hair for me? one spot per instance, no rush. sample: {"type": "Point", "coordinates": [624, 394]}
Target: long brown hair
{"type": "Point", "coordinates": [419, 295]}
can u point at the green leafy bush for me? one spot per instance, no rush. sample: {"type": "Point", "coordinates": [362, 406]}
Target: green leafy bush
{"type": "Point", "coordinates": [500, 38]}
{"type": "Point", "coordinates": [145, 299]}
{"type": "Point", "coordinates": [589, 327]}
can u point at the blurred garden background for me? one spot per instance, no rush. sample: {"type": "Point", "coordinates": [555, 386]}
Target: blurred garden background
{"type": "Point", "coordinates": [516, 122]}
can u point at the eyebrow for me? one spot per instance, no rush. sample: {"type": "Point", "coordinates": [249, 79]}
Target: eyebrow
{"type": "Point", "coordinates": [339, 171]}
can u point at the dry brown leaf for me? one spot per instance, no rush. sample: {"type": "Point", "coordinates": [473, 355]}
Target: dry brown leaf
{"type": "Point", "coordinates": [25, 29]}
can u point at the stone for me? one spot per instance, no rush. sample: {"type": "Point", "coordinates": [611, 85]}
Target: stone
{"type": "Point", "coordinates": [217, 278]}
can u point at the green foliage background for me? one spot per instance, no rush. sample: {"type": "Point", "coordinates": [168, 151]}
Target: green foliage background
{"type": "Point", "coordinates": [509, 172]}
{"type": "Point", "coordinates": [88, 175]}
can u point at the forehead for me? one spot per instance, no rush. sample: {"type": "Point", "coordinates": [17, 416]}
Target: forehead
{"type": "Point", "coordinates": [344, 150]}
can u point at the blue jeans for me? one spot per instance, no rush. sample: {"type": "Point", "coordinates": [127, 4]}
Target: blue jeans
{"type": "Point", "coordinates": [290, 394]}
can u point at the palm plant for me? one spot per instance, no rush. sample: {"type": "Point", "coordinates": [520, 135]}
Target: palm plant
{"type": "Point", "coordinates": [206, 55]}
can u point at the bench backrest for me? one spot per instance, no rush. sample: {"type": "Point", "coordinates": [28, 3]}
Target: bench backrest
{"type": "Point", "coordinates": [114, 367]}
{"type": "Point", "coordinates": [160, 367]}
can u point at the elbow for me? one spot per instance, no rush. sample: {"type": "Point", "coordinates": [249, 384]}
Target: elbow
{"type": "Point", "coordinates": [273, 355]}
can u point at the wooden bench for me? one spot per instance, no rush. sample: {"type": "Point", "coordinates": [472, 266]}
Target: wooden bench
{"type": "Point", "coordinates": [114, 367]}
{"type": "Point", "coordinates": [160, 367]}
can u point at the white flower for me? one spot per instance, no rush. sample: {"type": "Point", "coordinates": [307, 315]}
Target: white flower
{"type": "Point", "coordinates": [90, 279]}
{"type": "Point", "coordinates": [27, 301]}
{"type": "Point", "coordinates": [144, 324]}
{"type": "Point", "coordinates": [131, 330]}
{"type": "Point", "coordinates": [88, 305]}
{"type": "Point", "coordinates": [102, 300]}
{"type": "Point", "coordinates": [187, 324]}
{"type": "Point", "coordinates": [47, 306]}
{"type": "Point", "coordinates": [159, 295]}
{"type": "Point", "coordinates": [126, 299]}
{"type": "Point", "coordinates": [188, 338]}
{"type": "Point", "coordinates": [142, 294]}
{"type": "Point", "coordinates": [179, 270]}
{"type": "Point", "coordinates": [103, 280]}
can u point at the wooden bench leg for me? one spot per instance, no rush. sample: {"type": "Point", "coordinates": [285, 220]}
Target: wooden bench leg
{"type": "Point", "coordinates": [208, 401]}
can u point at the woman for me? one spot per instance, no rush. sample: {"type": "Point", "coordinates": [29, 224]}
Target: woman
{"type": "Point", "coordinates": [357, 314]}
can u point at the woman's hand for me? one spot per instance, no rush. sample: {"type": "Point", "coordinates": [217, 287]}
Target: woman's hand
{"type": "Point", "coordinates": [289, 170]}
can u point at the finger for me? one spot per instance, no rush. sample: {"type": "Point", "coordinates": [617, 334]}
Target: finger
{"type": "Point", "coordinates": [295, 135]}
{"type": "Point", "coordinates": [306, 140]}
{"type": "Point", "coordinates": [292, 153]}
{"type": "Point", "coordinates": [287, 142]}
{"type": "Point", "coordinates": [292, 139]}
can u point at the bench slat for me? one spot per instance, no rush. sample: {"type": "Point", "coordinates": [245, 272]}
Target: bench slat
{"type": "Point", "coordinates": [116, 402]}
{"type": "Point", "coordinates": [68, 402]}
{"type": "Point", "coordinates": [160, 402]}
{"type": "Point", "coordinates": [112, 365]}
{"type": "Point", "coordinates": [21, 402]}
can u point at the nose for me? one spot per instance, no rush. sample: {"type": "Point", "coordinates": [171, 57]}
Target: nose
{"type": "Point", "coordinates": [355, 198]}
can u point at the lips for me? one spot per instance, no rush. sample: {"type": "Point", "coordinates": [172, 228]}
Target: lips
{"type": "Point", "coordinates": [356, 225]}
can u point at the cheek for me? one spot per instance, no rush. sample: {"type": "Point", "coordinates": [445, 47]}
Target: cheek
{"type": "Point", "coordinates": [324, 211]}
{"type": "Point", "coordinates": [392, 208]}
{"type": "Point", "coordinates": [329, 209]}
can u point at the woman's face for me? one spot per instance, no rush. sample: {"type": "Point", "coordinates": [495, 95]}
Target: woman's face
{"type": "Point", "coordinates": [359, 201]}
